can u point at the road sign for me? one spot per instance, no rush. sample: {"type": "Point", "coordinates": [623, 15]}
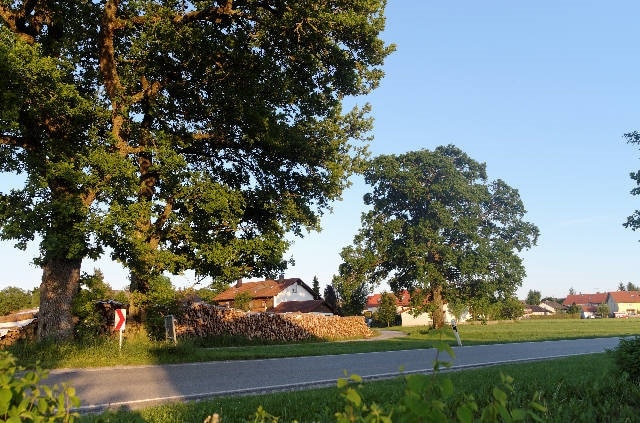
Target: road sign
{"type": "Point", "coordinates": [120, 319]}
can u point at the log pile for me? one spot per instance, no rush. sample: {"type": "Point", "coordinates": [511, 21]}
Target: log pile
{"type": "Point", "coordinates": [13, 335]}
{"type": "Point", "coordinates": [201, 319]}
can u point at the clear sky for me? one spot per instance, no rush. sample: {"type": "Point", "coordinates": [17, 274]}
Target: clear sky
{"type": "Point", "coordinates": [542, 92]}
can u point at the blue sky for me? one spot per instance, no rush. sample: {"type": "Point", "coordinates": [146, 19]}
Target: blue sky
{"type": "Point", "coordinates": [542, 92]}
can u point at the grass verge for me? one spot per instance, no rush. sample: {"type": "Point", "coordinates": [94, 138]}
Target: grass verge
{"type": "Point", "coordinates": [137, 349]}
{"type": "Point", "coordinates": [573, 389]}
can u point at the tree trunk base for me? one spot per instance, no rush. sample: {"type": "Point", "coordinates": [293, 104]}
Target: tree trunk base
{"type": "Point", "coordinates": [60, 284]}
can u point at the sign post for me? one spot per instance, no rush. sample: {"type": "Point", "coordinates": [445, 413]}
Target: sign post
{"type": "Point", "coordinates": [119, 322]}
{"type": "Point", "coordinates": [455, 331]}
{"type": "Point", "coordinates": [170, 328]}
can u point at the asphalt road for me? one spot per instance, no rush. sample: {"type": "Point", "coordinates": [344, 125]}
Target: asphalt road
{"type": "Point", "coordinates": [136, 387]}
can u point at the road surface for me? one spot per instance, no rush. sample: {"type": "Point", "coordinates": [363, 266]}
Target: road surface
{"type": "Point", "coordinates": [136, 387]}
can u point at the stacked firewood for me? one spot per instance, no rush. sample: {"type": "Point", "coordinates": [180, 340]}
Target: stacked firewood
{"type": "Point", "coordinates": [27, 332]}
{"type": "Point", "coordinates": [203, 319]}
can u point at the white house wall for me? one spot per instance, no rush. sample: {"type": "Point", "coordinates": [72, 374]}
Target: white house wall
{"type": "Point", "coordinates": [293, 292]}
{"type": "Point", "coordinates": [424, 319]}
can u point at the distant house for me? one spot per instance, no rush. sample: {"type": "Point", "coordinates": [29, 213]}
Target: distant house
{"type": "Point", "coordinates": [586, 299]}
{"type": "Point", "coordinates": [553, 306]}
{"type": "Point", "coordinates": [536, 310]}
{"type": "Point", "coordinates": [403, 308]}
{"type": "Point", "coordinates": [277, 296]}
{"type": "Point", "coordinates": [588, 311]}
{"type": "Point", "coordinates": [627, 302]}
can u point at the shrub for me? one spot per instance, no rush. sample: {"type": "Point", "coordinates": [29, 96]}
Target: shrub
{"type": "Point", "coordinates": [151, 308]}
{"type": "Point", "coordinates": [627, 358]}
{"type": "Point", "coordinates": [23, 398]}
{"type": "Point", "coordinates": [14, 299]}
{"type": "Point", "coordinates": [90, 321]}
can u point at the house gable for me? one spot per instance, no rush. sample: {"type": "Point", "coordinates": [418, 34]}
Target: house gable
{"type": "Point", "coordinates": [267, 294]}
{"type": "Point", "coordinates": [624, 302]}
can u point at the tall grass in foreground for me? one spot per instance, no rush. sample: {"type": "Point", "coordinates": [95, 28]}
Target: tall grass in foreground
{"type": "Point", "coordinates": [576, 389]}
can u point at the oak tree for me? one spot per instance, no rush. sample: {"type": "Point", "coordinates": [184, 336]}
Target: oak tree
{"type": "Point", "coordinates": [439, 228]}
{"type": "Point", "coordinates": [182, 135]}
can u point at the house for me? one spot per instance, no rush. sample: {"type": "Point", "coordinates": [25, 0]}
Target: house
{"type": "Point", "coordinates": [588, 311]}
{"type": "Point", "coordinates": [403, 308]}
{"type": "Point", "coordinates": [627, 302]}
{"type": "Point", "coordinates": [585, 299]}
{"type": "Point", "coordinates": [536, 310]}
{"type": "Point", "coordinates": [276, 296]}
{"type": "Point", "coordinates": [553, 306]}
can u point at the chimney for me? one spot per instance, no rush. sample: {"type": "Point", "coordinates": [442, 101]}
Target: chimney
{"type": "Point", "coordinates": [281, 277]}
{"type": "Point", "coordinates": [239, 283]}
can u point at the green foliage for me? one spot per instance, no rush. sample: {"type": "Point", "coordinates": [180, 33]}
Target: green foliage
{"type": "Point", "coordinates": [316, 287]}
{"type": "Point", "coordinates": [24, 398]}
{"type": "Point", "coordinates": [633, 221]}
{"type": "Point", "coordinates": [331, 298]}
{"type": "Point", "coordinates": [179, 140]}
{"type": "Point", "coordinates": [533, 297]}
{"type": "Point", "coordinates": [387, 309]}
{"type": "Point", "coordinates": [627, 358]}
{"type": "Point", "coordinates": [93, 288]}
{"type": "Point", "coordinates": [242, 301]}
{"type": "Point", "coordinates": [434, 399]}
{"type": "Point", "coordinates": [159, 301]}
{"type": "Point", "coordinates": [603, 310]}
{"type": "Point", "coordinates": [13, 299]}
{"type": "Point", "coordinates": [437, 225]}
{"type": "Point", "coordinates": [574, 309]}
{"type": "Point", "coordinates": [510, 309]}
{"type": "Point", "coordinates": [352, 296]}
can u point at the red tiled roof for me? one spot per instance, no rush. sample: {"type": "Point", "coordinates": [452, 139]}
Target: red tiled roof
{"type": "Point", "coordinates": [625, 296]}
{"type": "Point", "coordinates": [374, 300]}
{"type": "Point", "coordinates": [598, 298]}
{"type": "Point", "coordinates": [403, 301]}
{"type": "Point", "coordinates": [261, 289]}
{"type": "Point", "coordinates": [311, 306]}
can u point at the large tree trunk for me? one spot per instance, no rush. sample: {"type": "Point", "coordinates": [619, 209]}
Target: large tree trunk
{"type": "Point", "coordinates": [139, 282]}
{"type": "Point", "coordinates": [60, 284]}
{"type": "Point", "coordinates": [437, 316]}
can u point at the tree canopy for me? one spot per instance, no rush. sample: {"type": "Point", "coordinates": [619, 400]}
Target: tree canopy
{"type": "Point", "coordinates": [533, 297]}
{"type": "Point", "coordinates": [633, 221]}
{"type": "Point", "coordinates": [439, 228]}
{"type": "Point", "coordinates": [182, 135]}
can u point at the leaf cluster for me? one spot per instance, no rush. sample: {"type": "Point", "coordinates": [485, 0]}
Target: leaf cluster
{"type": "Point", "coordinates": [24, 398]}
{"type": "Point", "coordinates": [627, 358]}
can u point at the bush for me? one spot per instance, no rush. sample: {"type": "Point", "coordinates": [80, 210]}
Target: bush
{"type": "Point", "coordinates": [151, 308]}
{"type": "Point", "coordinates": [22, 398]}
{"type": "Point", "coordinates": [627, 358]}
{"type": "Point", "coordinates": [14, 299]}
{"type": "Point", "coordinates": [90, 321]}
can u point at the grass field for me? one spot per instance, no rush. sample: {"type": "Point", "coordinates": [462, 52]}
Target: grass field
{"type": "Point", "coordinates": [138, 350]}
